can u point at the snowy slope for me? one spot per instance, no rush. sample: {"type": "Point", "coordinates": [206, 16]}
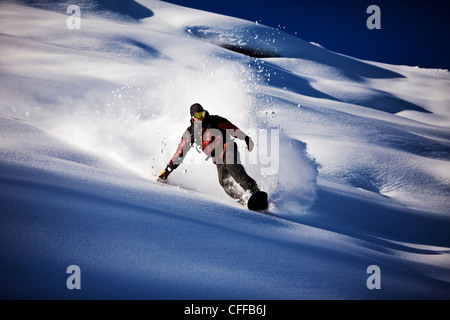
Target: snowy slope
{"type": "Point", "coordinates": [89, 117]}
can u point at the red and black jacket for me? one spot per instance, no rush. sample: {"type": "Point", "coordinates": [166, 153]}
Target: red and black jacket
{"type": "Point", "coordinates": [212, 135]}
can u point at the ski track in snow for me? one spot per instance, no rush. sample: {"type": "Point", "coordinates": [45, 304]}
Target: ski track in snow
{"type": "Point", "coordinates": [89, 117]}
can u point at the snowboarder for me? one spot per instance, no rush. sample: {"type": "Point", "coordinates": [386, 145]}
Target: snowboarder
{"type": "Point", "coordinates": [213, 134]}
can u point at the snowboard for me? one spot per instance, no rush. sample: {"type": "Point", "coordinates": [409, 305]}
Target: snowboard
{"type": "Point", "coordinates": [258, 201]}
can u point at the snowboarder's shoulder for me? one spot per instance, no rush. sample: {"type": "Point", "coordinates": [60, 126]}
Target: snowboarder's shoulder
{"type": "Point", "coordinates": [189, 128]}
{"type": "Point", "coordinates": [217, 119]}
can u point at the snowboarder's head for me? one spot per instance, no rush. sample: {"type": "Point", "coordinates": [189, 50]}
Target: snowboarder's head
{"type": "Point", "coordinates": [197, 112]}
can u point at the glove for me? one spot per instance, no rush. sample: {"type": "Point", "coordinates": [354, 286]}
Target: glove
{"type": "Point", "coordinates": [164, 175]}
{"type": "Point", "coordinates": [250, 143]}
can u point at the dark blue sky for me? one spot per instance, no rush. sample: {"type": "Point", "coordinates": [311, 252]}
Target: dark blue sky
{"type": "Point", "coordinates": [412, 32]}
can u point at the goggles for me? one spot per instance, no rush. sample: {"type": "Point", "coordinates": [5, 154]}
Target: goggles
{"type": "Point", "coordinates": [199, 115]}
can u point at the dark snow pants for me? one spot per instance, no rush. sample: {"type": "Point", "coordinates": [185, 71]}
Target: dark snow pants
{"type": "Point", "coordinates": [232, 173]}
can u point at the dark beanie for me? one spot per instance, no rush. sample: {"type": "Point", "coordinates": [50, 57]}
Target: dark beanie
{"type": "Point", "coordinates": [196, 107]}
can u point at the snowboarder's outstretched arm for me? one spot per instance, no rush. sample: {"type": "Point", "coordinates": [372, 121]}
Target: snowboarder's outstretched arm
{"type": "Point", "coordinates": [183, 147]}
{"type": "Point", "coordinates": [238, 133]}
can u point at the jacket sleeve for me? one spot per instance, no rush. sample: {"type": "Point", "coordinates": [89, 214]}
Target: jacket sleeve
{"type": "Point", "coordinates": [183, 147]}
{"type": "Point", "coordinates": [225, 124]}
